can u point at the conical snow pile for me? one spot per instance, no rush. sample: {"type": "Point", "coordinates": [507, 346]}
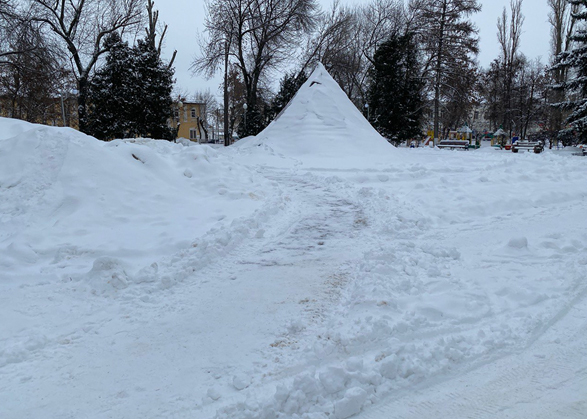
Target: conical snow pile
{"type": "Point", "coordinates": [321, 126]}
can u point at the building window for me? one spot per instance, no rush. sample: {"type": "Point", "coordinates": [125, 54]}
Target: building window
{"type": "Point", "coordinates": [193, 134]}
{"type": "Point", "coordinates": [193, 112]}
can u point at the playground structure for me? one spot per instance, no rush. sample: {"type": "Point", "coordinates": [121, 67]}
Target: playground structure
{"type": "Point", "coordinates": [464, 134]}
{"type": "Point", "coordinates": [501, 139]}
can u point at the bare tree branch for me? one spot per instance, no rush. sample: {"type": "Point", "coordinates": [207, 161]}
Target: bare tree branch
{"type": "Point", "coordinates": [260, 35]}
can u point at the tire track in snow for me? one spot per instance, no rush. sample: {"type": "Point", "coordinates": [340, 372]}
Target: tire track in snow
{"type": "Point", "coordinates": [547, 381]}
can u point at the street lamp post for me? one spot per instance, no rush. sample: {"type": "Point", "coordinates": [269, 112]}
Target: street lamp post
{"type": "Point", "coordinates": [178, 119]}
{"type": "Point", "coordinates": [367, 110]}
{"type": "Point", "coordinates": [245, 106]}
{"type": "Point", "coordinates": [217, 125]}
{"type": "Point", "coordinates": [63, 111]}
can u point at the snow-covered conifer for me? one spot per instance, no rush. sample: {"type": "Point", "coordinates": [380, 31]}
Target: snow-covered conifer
{"type": "Point", "coordinates": [110, 93]}
{"type": "Point", "coordinates": [575, 61]}
{"type": "Point", "coordinates": [153, 90]}
{"type": "Point", "coordinates": [130, 96]}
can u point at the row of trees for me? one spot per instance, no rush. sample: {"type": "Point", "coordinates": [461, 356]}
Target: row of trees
{"type": "Point", "coordinates": [51, 49]}
{"type": "Point", "coordinates": [413, 63]}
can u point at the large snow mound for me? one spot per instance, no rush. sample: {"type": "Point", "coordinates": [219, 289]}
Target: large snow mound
{"type": "Point", "coordinates": [68, 199]}
{"type": "Point", "coordinates": [12, 127]}
{"type": "Point", "coordinates": [321, 127]}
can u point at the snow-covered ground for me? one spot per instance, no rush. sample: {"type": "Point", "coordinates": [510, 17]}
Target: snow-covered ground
{"type": "Point", "coordinates": [143, 279]}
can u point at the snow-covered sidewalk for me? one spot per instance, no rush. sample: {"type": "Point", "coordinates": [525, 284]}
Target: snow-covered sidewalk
{"type": "Point", "coordinates": [454, 271]}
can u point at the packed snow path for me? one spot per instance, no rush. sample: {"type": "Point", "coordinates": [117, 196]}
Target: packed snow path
{"type": "Point", "coordinates": [547, 380]}
{"type": "Point", "coordinates": [288, 271]}
{"type": "Point", "coordinates": [342, 293]}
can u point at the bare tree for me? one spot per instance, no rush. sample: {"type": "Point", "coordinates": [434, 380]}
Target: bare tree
{"type": "Point", "coordinates": [32, 78]}
{"type": "Point", "coordinates": [234, 100]}
{"type": "Point", "coordinates": [256, 35]}
{"type": "Point", "coordinates": [32, 69]}
{"type": "Point", "coordinates": [331, 38]}
{"type": "Point", "coordinates": [151, 31]}
{"type": "Point", "coordinates": [333, 44]}
{"type": "Point", "coordinates": [81, 26]}
{"type": "Point", "coordinates": [562, 24]}
{"type": "Point", "coordinates": [377, 21]}
{"type": "Point", "coordinates": [345, 41]}
{"type": "Point", "coordinates": [459, 95]}
{"type": "Point", "coordinates": [509, 31]}
{"type": "Point", "coordinates": [6, 25]}
{"type": "Point", "coordinates": [208, 112]}
{"type": "Point", "coordinates": [13, 27]}
{"type": "Point", "coordinates": [531, 91]}
{"type": "Point", "coordinates": [449, 40]}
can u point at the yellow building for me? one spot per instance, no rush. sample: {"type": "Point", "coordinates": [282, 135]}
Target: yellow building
{"type": "Point", "coordinates": [189, 120]}
{"type": "Point", "coordinates": [188, 116]}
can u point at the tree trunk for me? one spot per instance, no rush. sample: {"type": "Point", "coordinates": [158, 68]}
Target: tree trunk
{"type": "Point", "coordinates": [438, 72]}
{"type": "Point", "coordinates": [529, 113]}
{"type": "Point", "coordinates": [227, 134]}
{"type": "Point", "coordinates": [81, 102]}
{"type": "Point", "coordinates": [201, 124]}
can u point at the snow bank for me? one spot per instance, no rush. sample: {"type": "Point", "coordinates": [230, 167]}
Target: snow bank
{"type": "Point", "coordinates": [13, 127]}
{"type": "Point", "coordinates": [69, 200]}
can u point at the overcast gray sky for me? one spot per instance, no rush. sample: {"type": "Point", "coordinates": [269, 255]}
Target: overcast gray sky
{"type": "Point", "coordinates": [185, 18]}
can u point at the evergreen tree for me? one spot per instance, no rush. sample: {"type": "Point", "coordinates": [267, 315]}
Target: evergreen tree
{"type": "Point", "coordinates": [288, 87]}
{"type": "Point", "coordinates": [130, 95]}
{"type": "Point", "coordinates": [153, 93]}
{"type": "Point", "coordinates": [82, 27]}
{"type": "Point", "coordinates": [254, 120]}
{"type": "Point", "coordinates": [111, 94]}
{"type": "Point", "coordinates": [395, 93]}
{"type": "Point", "coordinates": [575, 61]}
